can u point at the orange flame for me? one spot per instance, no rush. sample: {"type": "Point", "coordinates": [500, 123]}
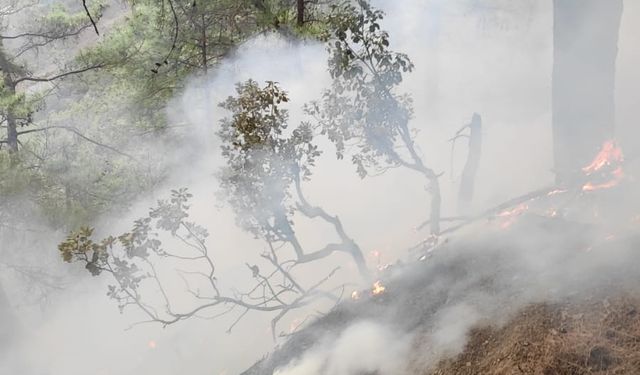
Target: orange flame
{"type": "Point", "coordinates": [510, 215]}
{"type": "Point", "coordinates": [609, 154]}
{"type": "Point", "coordinates": [517, 210]}
{"type": "Point", "coordinates": [589, 186]}
{"type": "Point", "coordinates": [378, 288]}
{"type": "Point", "coordinates": [555, 192]}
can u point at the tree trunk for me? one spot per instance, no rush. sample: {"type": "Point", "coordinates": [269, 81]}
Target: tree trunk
{"type": "Point", "coordinates": [203, 50]}
{"type": "Point", "coordinates": [12, 132]}
{"type": "Point", "coordinates": [585, 36]}
{"type": "Point", "coordinates": [10, 87]}
{"type": "Point", "coordinates": [436, 202]}
{"type": "Point", "coordinates": [300, 15]}
{"type": "Point", "coordinates": [467, 183]}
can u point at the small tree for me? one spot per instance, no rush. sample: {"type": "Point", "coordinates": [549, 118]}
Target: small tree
{"type": "Point", "coordinates": [362, 106]}
{"type": "Point", "coordinates": [266, 164]}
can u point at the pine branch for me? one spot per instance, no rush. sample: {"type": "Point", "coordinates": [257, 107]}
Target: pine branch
{"type": "Point", "coordinates": [61, 75]}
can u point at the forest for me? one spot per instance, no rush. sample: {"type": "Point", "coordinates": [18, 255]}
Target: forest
{"type": "Point", "coordinates": [319, 187]}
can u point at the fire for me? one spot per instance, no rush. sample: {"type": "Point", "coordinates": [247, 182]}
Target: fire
{"type": "Point", "coordinates": [555, 192]}
{"type": "Point", "coordinates": [609, 154]}
{"type": "Point", "coordinates": [511, 214]}
{"type": "Point", "coordinates": [617, 176]}
{"type": "Point", "coordinates": [592, 187]}
{"type": "Point", "coordinates": [517, 210]}
{"type": "Point", "coordinates": [378, 288]}
{"type": "Point", "coordinates": [355, 295]}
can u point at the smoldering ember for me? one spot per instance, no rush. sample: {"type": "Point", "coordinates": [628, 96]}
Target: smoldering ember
{"type": "Point", "coordinates": [319, 187]}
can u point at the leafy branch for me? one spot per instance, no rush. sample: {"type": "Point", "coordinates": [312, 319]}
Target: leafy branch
{"type": "Point", "coordinates": [133, 259]}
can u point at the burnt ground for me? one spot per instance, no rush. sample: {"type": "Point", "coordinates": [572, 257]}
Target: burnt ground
{"type": "Point", "coordinates": [550, 295]}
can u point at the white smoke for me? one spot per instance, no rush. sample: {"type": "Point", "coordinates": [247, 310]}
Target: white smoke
{"type": "Point", "coordinates": [466, 62]}
{"type": "Point", "coordinates": [364, 347]}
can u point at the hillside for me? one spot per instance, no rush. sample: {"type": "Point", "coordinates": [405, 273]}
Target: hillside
{"type": "Point", "coordinates": [593, 335]}
{"type": "Point", "coordinates": [543, 295]}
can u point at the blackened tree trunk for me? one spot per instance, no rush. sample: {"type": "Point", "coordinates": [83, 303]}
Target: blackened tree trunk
{"type": "Point", "coordinates": [585, 36]}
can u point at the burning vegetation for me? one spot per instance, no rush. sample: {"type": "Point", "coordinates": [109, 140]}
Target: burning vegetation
{"type": "Point", "coordinates": [544, 283]}
{"type": "Point", "coordinates": [586, 322]}
{"type": "Point", "coordinates": [606, 168]}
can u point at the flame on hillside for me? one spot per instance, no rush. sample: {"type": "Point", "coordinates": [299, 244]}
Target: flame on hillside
{"type": "Point", "coordinates": [608, 155]}
{"type": "Point", "coordinates": [556, 192]}
{"type": "Point", "coordinates": [608, 162]}
{"type": "Point", "coordinates": [616, 177]}
{"type": "Point", "coordinates": [510, 215]}
{"type": "Point", "coordinates": [378, 288]}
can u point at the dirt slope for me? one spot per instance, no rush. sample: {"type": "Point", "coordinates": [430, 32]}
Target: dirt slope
{"type": "Point", "coordinates": [601, 336]}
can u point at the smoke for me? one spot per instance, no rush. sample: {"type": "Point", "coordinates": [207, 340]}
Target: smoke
{"type": "Point", "coordinates": [364, 347]}
{"type": "Point", "coordinates": [479, 281]}
{"type": "Point", "coordinates": [467, 60]}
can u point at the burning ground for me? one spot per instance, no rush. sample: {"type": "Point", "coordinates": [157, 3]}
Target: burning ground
{"type": "Point", "coordinates": [547, 285]}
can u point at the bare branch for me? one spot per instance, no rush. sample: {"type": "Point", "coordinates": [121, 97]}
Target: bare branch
{"type": "Point", "coordinates": [58, 76]}
{"type": "Point", "coordinates": [86, 9]}
{"type": "Point", "coordinates": [45, 36]}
